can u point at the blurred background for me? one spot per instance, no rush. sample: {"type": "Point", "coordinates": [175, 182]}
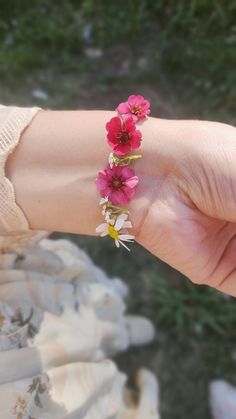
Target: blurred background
{"type": "Point", "coordinates": [181, 55]}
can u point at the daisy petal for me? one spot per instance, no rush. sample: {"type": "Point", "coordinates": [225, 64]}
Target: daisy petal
{"type": "Point", "coordinates": [103, 234]}
{"type": "Point", "coordinates": [126, 237]}
{"type": "Point", "coordinates": [127, 224]}
{"type": "Point", "coordinates": [124, 246]}
{"type": "Point", "coordinates": [120, 221]}
{"type": "Point", "coordinates": [101, 228]}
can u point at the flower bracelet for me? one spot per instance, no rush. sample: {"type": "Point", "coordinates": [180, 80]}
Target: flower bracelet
{"type": "Point", "coordinates": [117, 182]}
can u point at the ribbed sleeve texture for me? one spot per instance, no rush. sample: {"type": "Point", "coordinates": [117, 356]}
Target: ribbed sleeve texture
{"type": "Point", "coordinates": [13, 120]}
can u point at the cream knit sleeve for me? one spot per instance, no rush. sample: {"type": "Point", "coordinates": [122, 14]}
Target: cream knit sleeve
{"type": "Point", "coordinates": [13, 120]}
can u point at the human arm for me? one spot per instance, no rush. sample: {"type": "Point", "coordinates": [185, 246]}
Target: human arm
{"type": "Point", "coordinates": [184, 207]}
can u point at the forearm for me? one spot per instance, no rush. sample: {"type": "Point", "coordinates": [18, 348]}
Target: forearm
{"type": "Point", "coordinates": [54, 166]}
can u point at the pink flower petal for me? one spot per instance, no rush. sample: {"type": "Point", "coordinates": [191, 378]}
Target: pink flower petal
{"type": "Point", "coordinates": [127, 172]}
{"type": "Point", "coordinates": [119, 198]}
{"type": "Point", "coordinates": [140, 98]}
{"type": "Point", "coordinates": [101, 183]}
{"type": "Point", "coordinates": [122, 149]}
{"type": "Point", "coordinates": [102, 174]}
{"type": "Point", "coordinates": [136, 140]}
{"type": "Point", "coordinates": [106, 192]}
{"type": "Point", "coordinates": [146, 105]}
{"type": "Point", "coordinates": [136, 144]}
{"type": "Point", "coordinates": [115, 171]}
{"type": "Point", "coordinates": [112, 141]}
{"type": "Point", "coordinates": [123, 108]}
{"type": "Point", "coordinates": [129, 192]}
{"type": "Point", "coordinates": [114, 124]}
{"type": "Point", "coordinates": [134, 117]}
{"type": "Point", "coordinates": [109, 171]}
{"type": "Point", "coordinates": [129, 124]}
{"type": "Point", "coordinates": [132, 100]}
{"type": "Point", "coordinates": [132, 182]}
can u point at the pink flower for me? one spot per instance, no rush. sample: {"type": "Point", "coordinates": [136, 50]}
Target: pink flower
{"type": "Point", "coordinates": [117, 183]}
{"type": "Point", "coordinates": [136, 106]}
{"type": "Point", "coordinates": [123, 136]}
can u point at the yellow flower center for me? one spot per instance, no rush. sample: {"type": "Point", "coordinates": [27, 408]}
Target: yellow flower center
{"type": "Point", "coordinates": [135, 109]}
{"type": "Point", "coordinates": [113, 233]}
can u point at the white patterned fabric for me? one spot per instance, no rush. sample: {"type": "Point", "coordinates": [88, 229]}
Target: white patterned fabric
{"type": "Point", "coordinates": [222, 400]}
{"type": "Point", "coordinates": [61, 318]}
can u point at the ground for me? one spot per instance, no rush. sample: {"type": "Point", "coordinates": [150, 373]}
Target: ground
{"type": "Point", "coordinates": [195, 326]}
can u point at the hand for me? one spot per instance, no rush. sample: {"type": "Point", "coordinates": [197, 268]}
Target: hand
{"type": "Point", "coordinates": [185, 207]}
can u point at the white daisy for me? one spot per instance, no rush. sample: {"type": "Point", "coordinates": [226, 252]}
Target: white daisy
{"type": "Point", "coordinates": [114, 230]}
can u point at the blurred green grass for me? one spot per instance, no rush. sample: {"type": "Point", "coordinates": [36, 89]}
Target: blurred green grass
{"type": "Point", "coordinates": [191, 42]}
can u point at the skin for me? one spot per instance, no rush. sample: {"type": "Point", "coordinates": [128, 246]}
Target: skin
{"type": "Point", "coordinates": [184, 209]}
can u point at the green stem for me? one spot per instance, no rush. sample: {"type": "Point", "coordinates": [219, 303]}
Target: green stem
{"type": "Point", "coordinates": [125, 161]}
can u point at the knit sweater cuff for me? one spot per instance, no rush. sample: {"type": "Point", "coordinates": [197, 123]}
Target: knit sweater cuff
{"type": "Point", "coordinates": [13, 121]}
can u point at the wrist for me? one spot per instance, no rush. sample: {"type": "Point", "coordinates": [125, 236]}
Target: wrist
{"type": "Point", "coordinates": [162, 149]}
